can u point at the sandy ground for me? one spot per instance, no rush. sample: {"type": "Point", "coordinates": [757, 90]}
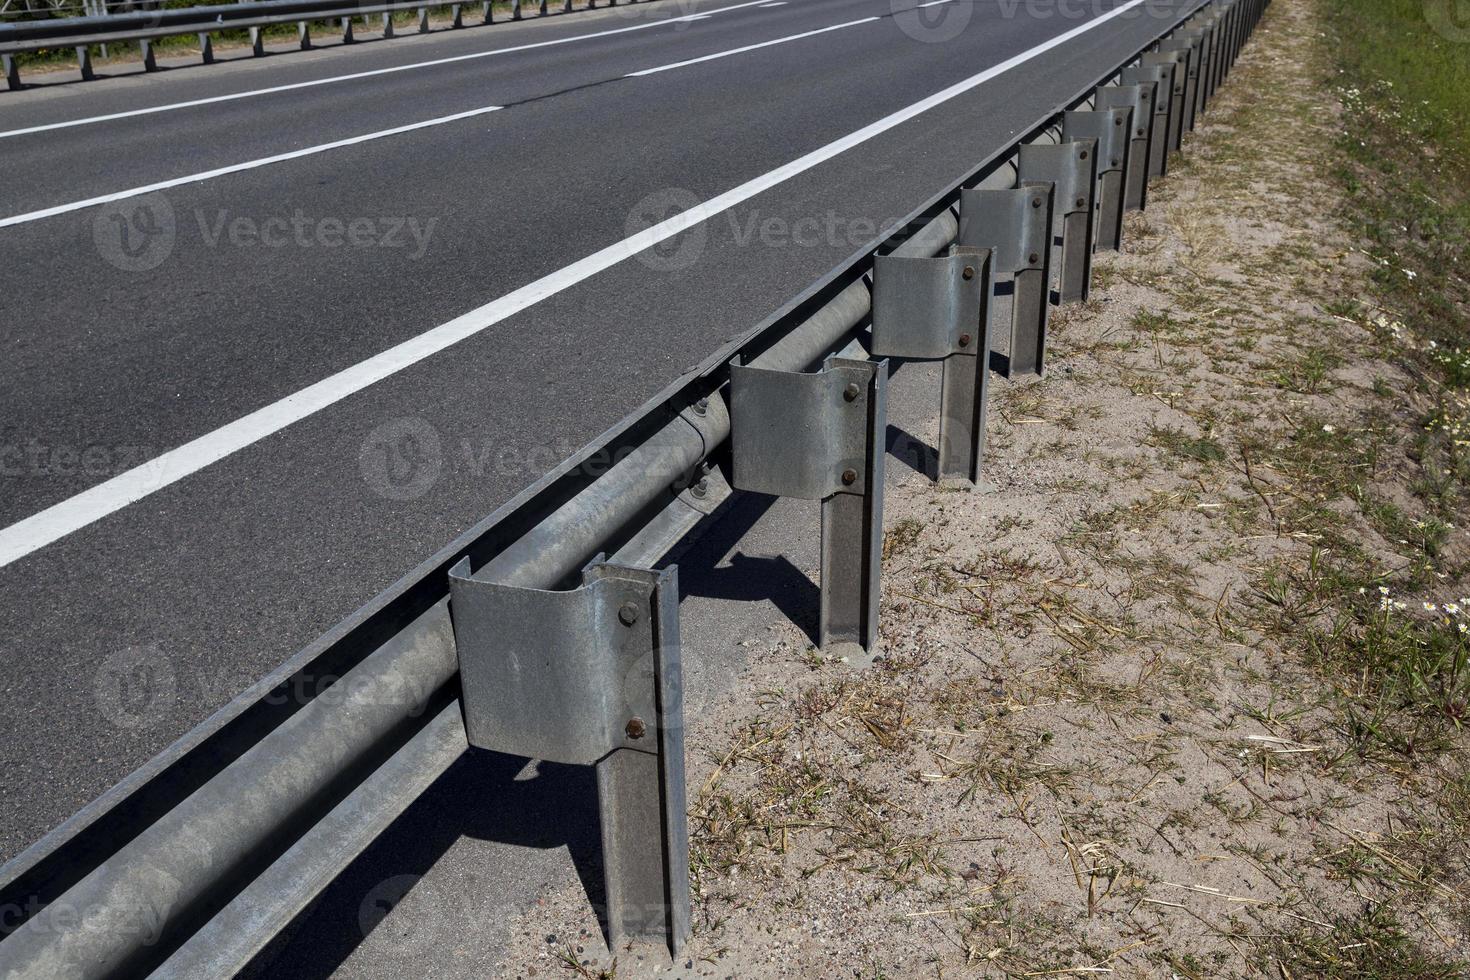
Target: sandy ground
{"type": "Point", "coordinates": [1097, 741]}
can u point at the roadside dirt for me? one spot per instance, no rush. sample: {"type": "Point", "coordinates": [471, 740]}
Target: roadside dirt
{"type": "Point", "coordinates": [1107, 733]}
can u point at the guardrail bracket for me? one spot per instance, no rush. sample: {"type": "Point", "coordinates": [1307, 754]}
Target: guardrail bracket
{"type": "Point", "coordinates": [820, 437]}
{"type": "Point", "coordinates": [592, 676]}
{"type": "Point", "coordinates": [939, 309]}
{"type": "Point", "coordinates": [1015, 225]}
{"type": "Point", "coordinates": [1109, 129]}
{"type": "Point", "coordinates": [1071, 168]}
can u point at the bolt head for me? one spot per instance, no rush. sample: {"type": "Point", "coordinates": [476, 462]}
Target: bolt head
{"type": "Point", "coordinates": [1036, 202]}
{"type": "Point", "coordinates": [850, 393]}
{"type": "Point", "coordinates": [1082, 155]}
{"type": "Point", "coordinates": [1034, 258]}
{"type": "Point", "coordinates": [1082, 202]}
{"type": "Point", "coordinates": [635, 728]}
{"type": "Point", "coordinates": [700, 489]}
{"type": "Point", "coordinates": [969, 272]}
{"type": "Point", "coordinates": [628, 613]}
{"type": "Point", "coordinates": [964, 340]}
{"type": "Point", "coordinates": [849, 477]}
{"type": "Point", "coordinates": [1117, 120]}
{"type": "Point", "coordinates": [701, 407]}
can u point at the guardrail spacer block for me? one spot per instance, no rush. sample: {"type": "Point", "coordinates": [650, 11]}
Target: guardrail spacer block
{"type": "Point", "coordinates": [1071, 168]}
{"type": "Point", "coordinates": [592, 676]}
{"type": "Point", "coordinates": [12, 72]}
{"type": "Point", "coordinates": [820, 437]}
{"type": "Point", "coordinates": [939, 309]}
{"type": "Point", "coordinates": [257, 43]}
{"type": "Point", "coordinates": [1161, 76]}
{"type": "Point", "coordinates": [1015, 225]}
{"type": "Point", "coordinates": [1110, 128]}
{"type": "Point", "coordinates": [84, 62]}
{"type": "Point", "coordinates": [1139, 99]}
{"type": "Point", "coordinates": [1179, 60]}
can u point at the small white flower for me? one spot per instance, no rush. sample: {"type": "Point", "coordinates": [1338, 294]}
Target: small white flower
{"type": "Point", "coordinates": [1430, 607]}
{"type": "Point", "coordinates": [1328, 429]}
{"type": "Point", "coordinates": [1383, 590]}
{"type": "Point", "coordinates": [1452, 609]}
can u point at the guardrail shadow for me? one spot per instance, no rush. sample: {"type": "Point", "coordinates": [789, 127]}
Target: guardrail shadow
{"type": "Point", "coordinates": [480, 797]}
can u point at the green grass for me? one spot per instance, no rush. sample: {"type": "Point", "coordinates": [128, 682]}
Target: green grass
{"type": "Point", "coordinates": [1417, 47]}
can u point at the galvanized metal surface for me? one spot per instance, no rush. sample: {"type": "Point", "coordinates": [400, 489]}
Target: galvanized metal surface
{"type": "Point", "coordinates": [1016, 226]}
{"type": "Point", "coordinates": [260, 809]}
{"type": "Point", "coordinates": [1071, 169]}
{"type": "Point", "coordinates": [1139, 100]}
{"type": "Point", "coordinates": [1110, 129]}
{"type": "Point", "coordinates": [939, 309]}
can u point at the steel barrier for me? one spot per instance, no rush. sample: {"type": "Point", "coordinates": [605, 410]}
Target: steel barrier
{"type": "Point", "coordinates": [546, 630]}
{"type": "Point", "coordinates": [147, 26]}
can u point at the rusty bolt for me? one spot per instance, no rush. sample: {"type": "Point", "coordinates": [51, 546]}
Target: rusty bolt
{"type": "Point", "coordinates": [969, 272]}
{"type": "Point", "coordinates": [628, 613]}
{"type": "Point", "coordinates": [849, 477]}
{"type": "Point", "coordinates": [1082, 155]}
{"type": "Point", "coordinates": [1036, 202]}
{"type": "Point", "coordinates": [1034, 258]}
{"type": "Point", "coordinates": [1117, 120]}
{"type": "Point", "coordinates": [1082, 202]}
{"type": "Point", "coordinates": [635, 728]}
{"type": "Point", "coordinates": [964, 340]}
{"type": "Point", "coordinates": [701, 407]}
{"type": "Point", "coordinates": [850, 393]}
{"type": "Point", "coordinates": [700, 489]}
{"type": "Point", "coordinates": [1142, 131]}
{"type": "Point", "coordinates": [1116, 163]}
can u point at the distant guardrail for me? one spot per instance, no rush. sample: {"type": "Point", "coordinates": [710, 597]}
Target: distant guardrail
{"type": "Point", "coordinates": [551, 629]}
{"type": "Point", "coordinates": [146, 26]}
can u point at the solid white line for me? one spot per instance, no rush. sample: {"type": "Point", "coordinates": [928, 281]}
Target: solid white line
{"type": "Point", "coordinates": [748, 47]}
{"type": "Point", "coordinates": [368, 74]}
{"type": "Point", "coordinates": [777, 3]}
{"type": "Point", "coordinates": [110, 496]}
{"type": "Point", "coordinates": [234, 168]}
{"type": "Point", "coordinates": [933, 3]}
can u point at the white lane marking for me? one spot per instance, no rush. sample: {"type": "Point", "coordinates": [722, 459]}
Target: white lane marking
{"type": "Point", "coordinates": [687, 18]}
{"type": "Point", "coordinates": [110, 496]}
{"type": "Point", "coordinates": [933, 3]}
{"type": "Point", "coordinates": [778, 3]}
{"type": "Point", "coordinates": [234, 168]}
{"type": "Point", "coordinates": [748, 47]}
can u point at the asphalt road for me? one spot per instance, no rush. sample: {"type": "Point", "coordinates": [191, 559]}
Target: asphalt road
{"type": "Point", "coordinates": [128, 333]}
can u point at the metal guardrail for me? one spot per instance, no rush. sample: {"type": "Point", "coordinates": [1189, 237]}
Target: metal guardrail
{"type": "Point", "coordinates": [147, 26]}
{"type": "Point", "coordinates": [523, 636]}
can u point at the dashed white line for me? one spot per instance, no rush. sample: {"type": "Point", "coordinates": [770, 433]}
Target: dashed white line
{"type": "Point", "coordinates": [749, 47]}
{"type": "Point", "coordinates": [192, 103]}
{"type": "Point", "coordinates": [234, 168]}
{"type": "Point", "coordinates": [91, 505]}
